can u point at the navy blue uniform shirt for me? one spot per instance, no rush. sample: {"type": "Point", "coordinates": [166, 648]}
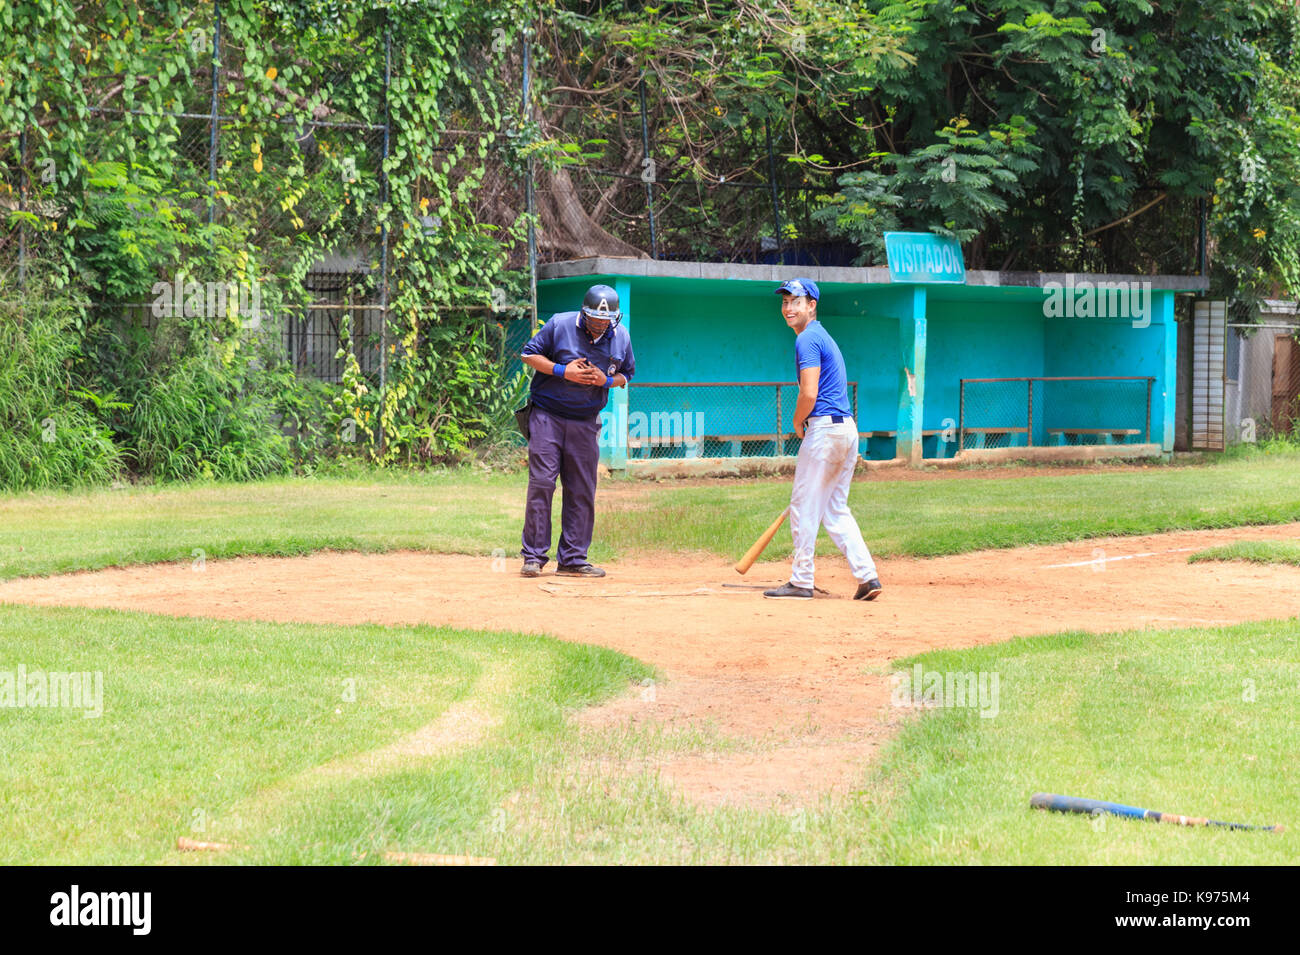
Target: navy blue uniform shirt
{"type": "Point", "coordinates": [562, 341]}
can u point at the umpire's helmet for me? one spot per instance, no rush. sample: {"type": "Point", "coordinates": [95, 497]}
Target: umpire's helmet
{"type": "Point", "coordinates": [601, 302]}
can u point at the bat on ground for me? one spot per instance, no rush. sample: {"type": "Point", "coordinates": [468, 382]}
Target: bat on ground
{"type": "Point", "coordinates": [429, 858]}
{"type": "Point", "coordinates": [751, 555]}
{"type": "Point", "coordinates": [1093, 806]}
{"type": "Point", "coordinates": [194, 845]}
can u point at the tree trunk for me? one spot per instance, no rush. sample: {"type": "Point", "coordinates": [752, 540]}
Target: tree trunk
{"type": "Point", "coordinates": [567, 229]}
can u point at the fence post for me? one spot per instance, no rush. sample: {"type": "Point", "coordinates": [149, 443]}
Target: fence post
{"type": "Point", "coordinates": [214, 120]}
{"type": "Point", "coordinates": [1150, 382]}
{"type": "Point", "coordinates": [776, 203]}
{"type": "Point", "coordinates": [528, 194]}
{"type": "Point", "coordinates": [1201, 250]}
{"type": "Point", "coordinates": [1029, 431]}
{"type": "Point", "coordinates": [650, 183]}
{"type": "Point", "coordinates": [383, 236]}
{"type": "Point", "coordinates": [620, 399]}
{"type": "Point", "coordinates": [779, 447]}
{"type": "Point", "coordinates": [22, 206]}
{"type": "Point", "coordinates": [961, 417]}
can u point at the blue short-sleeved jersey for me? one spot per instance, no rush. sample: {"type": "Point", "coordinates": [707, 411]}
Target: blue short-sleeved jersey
{"type": "Point", "coordinates": [562, 341]}
{"type": "Point", "coordinates": [813, 348]}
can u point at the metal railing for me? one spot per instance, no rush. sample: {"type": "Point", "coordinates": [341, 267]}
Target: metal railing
{"type": "Point", "coordinates": [714, 418]}
{"type": "Point", "coordinates": [1071, 409]}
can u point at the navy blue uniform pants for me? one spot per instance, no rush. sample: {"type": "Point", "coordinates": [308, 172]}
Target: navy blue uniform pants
{"type": "Point", "coordinates": [570, 450]}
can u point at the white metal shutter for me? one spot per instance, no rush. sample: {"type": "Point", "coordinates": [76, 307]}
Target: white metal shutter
{"type": "Point", "coordinates": [1209, 324]}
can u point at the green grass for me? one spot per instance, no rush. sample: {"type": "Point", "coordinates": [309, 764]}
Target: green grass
{"type": "Point", "coordinates": [206, 724]}
{"type": "Point", "coordinates": [1197, 722]}
{"type": "Point", "coordinates": [477, 513]}
{"type": "Point", "coordinates": [1259, 552]}
{"type": "Point", "coordinates": [240, 732]}
{"type": "Point", "coordinates": [449, 511]}
{"type": "Point", "coordinates": [950, 516]}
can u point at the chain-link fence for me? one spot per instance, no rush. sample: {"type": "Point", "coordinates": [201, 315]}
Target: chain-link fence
{"type": "Point", "coordinates": [756, 220]}
{"type": "Point", "coordinates": [642, 192]}
{"type": "Point", "coordinates": [284, 182]}
{"type": "Point", "coordinates": [759, 209]}
{"type": "Point", "coordinates": [649, 191]}
{"type": "Point", "coordinates": [1054, 412]}
{"type": "Point", "coordinates": [712, 420]}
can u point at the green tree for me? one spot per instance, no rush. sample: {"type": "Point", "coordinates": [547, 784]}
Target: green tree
{"type": "Point", "coordinates": [1064, 135]}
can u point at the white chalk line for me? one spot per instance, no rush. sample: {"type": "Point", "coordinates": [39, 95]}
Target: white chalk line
{"type": "Point", "coordinates": [1106, 560]}
{"type": "Point", "coordinates": [560, 592]}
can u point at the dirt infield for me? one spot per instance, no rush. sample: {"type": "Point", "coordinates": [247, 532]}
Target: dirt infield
{"type": "Point", "coordinates": [802, 684]}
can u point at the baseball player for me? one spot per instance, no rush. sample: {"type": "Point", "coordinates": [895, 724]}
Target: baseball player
{"type": "Point", "coordinates": [577, 357]}
{"type": "Point", "coordinates": [824, 420]}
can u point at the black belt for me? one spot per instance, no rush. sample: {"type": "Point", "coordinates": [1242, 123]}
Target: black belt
{"type": "Point", "coordinates": [837, 419]}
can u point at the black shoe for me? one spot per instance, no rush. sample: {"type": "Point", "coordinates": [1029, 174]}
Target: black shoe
{"type": "Point", "coordinates": [531, 569]}
{"type": "Point", "coordinates": [869, 591]}
{"type": "Point", "coordinates": [579, 570]}
{"type": "Point", "coordinates": [790, 592]}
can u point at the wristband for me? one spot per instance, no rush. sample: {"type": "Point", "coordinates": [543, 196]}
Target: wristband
{"type": "Point", "coordinates": [559, 369]}
{"type": "Point", "coordinates": [609, 381]}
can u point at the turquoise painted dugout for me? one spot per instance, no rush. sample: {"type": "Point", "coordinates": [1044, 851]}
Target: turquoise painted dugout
{"type": "Point", "coordinates": [715, 360]}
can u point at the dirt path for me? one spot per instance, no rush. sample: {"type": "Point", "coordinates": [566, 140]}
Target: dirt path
{"type": "Point", "coordinates": [804, 683]}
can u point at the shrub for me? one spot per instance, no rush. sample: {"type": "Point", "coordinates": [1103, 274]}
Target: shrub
{"type": "Point", "coordinates": [50, 435]}
{"type": "Point", "coordinates": [198, 418]}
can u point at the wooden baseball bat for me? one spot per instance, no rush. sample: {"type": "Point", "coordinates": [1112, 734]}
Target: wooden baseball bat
{"type": "Point", "coordinates": [194, 845]}
{"type": "Point", "coordinates": [430, 858]}
{"type": "Point", "coordinates": [1093, 806]}
{"type": "Point", "coordinates": [751, 555]}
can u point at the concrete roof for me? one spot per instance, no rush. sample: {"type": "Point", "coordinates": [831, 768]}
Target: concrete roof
{"type": "Point", "coordinates": [876, 275]}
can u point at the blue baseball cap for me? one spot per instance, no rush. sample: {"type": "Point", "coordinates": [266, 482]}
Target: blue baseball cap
{"type": "Point", "coordinates": [801, 287]}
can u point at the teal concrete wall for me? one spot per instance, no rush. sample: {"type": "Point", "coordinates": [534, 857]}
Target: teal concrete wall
{"type": "Point", "coordinates": [981, 339]}
{"type": "Point", "coordinates": [692, 332]}
{"type": "Point", "coordinates": [1113, 346]}
{"type": "Point", "coordinates": [706, 330]}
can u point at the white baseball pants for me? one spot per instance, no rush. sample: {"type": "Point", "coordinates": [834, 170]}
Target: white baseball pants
{"type": "Point", "coordinates": [821, 496]}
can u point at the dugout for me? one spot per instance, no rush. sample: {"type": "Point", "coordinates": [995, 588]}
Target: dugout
{"type": "Point", "coordinates": [1006, 365]}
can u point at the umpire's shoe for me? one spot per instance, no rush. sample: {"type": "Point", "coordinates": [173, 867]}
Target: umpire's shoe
{"type": "Point", "coordinates": [531, 568]}
{"type": "Point", "coordinates": [578, 570]}
{"type": "Point", "coordinates": [870, 590]}
{"type": "Point", "coordinates": [790, 592]}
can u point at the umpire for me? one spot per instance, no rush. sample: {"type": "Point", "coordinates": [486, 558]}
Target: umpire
{"type": "Point", "coordinates": [576, 358]}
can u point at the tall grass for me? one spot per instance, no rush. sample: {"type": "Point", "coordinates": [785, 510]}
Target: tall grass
{"type": "Point", "coordinates": [48, 438]}
{"type": "Point", "coordinates": [197, 419]}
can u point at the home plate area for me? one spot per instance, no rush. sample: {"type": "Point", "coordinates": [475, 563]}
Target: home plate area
{"type": "Point", "coordinates": [802, 687]}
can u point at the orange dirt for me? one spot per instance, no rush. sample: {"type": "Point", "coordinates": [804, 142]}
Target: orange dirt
{"type": "Point", "coordinates": [802, 684]}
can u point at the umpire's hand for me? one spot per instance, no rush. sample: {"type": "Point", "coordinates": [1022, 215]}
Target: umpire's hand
{"type": "Point", "coordinates": [583, 372]}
